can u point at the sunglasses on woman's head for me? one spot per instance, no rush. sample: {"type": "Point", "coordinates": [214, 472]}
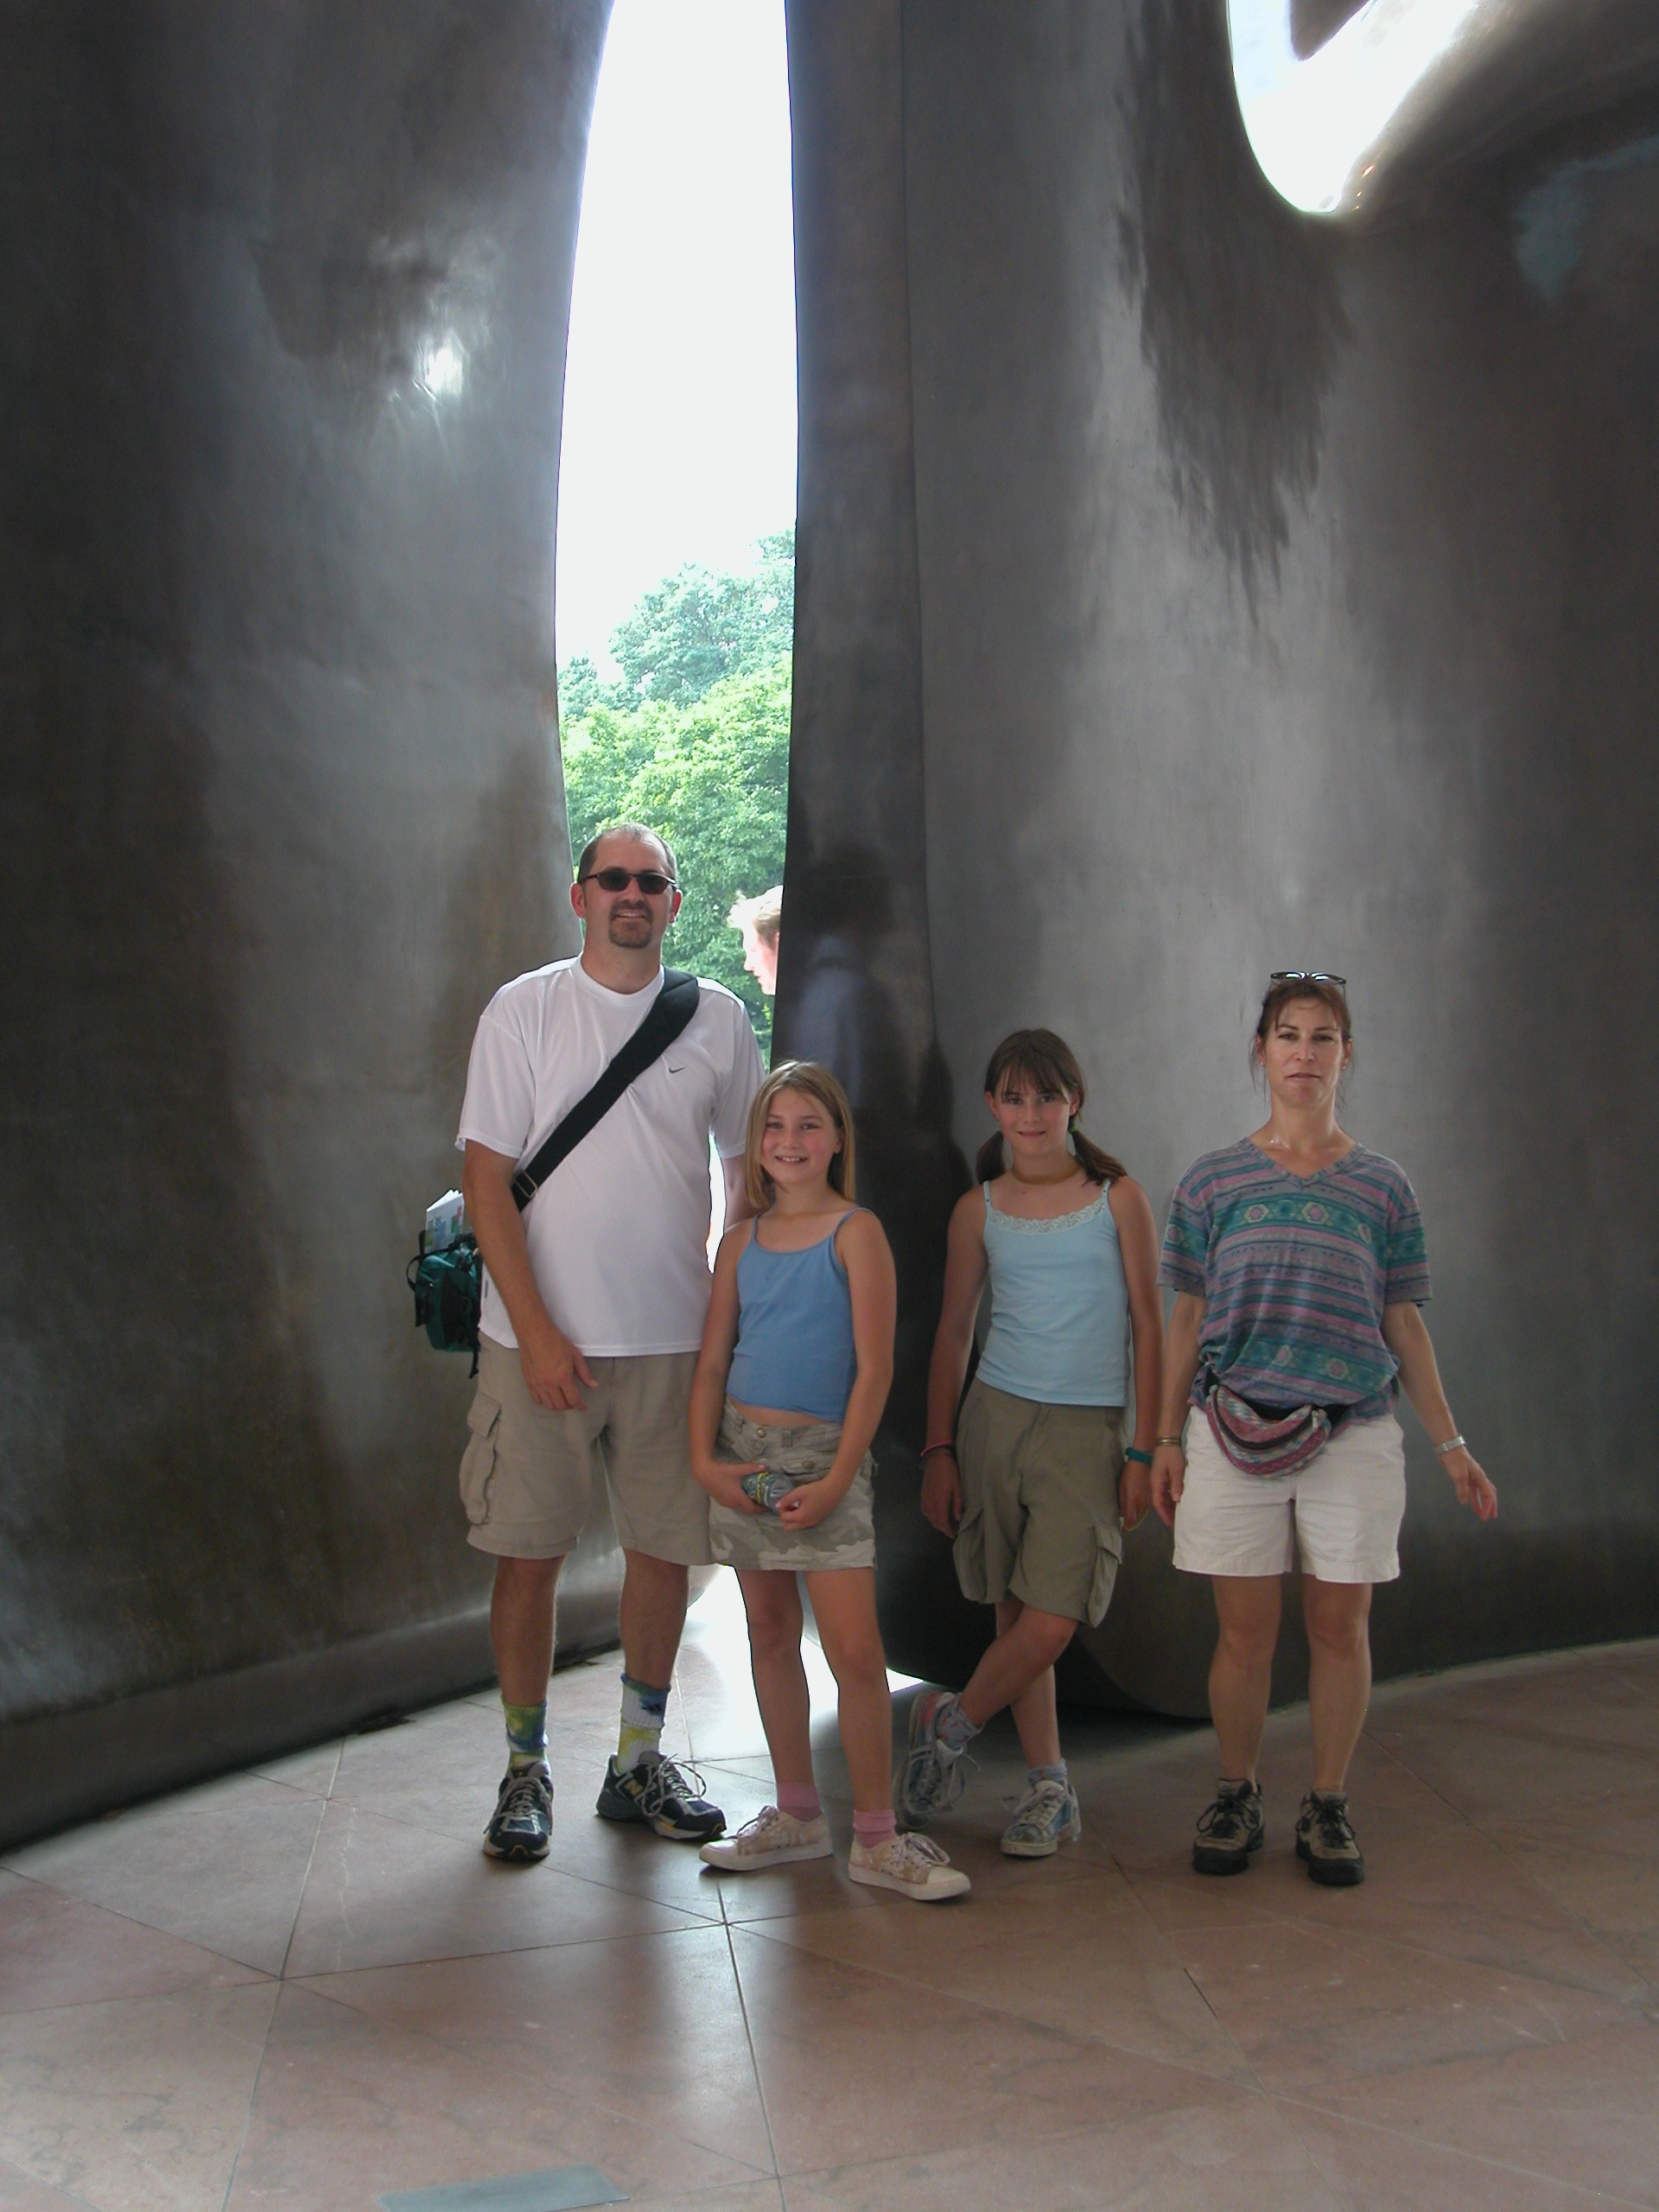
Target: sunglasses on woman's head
{"type": "Point", "coordinates": [650, 880]}
{"type": "Point", "coordinates": [1307, 976]}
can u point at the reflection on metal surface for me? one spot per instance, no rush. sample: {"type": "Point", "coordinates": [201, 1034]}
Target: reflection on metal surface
{"type": "Point", "coordinates": [443, 369]}
{"type": "Point", "coordinates": [1552, 219]}
{"type": "Point", "coordinates": [1342, 107]}
{"type": "Point", "coordinates": [1323, 124]}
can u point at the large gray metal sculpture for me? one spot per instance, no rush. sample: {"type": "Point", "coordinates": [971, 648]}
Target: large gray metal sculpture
{"type": "Point", "coordinates": [1197, 587]}
{"type": "Point", "coordinates": [1186, 586]}
{"type": "Point", "coordinates": [284, 303]}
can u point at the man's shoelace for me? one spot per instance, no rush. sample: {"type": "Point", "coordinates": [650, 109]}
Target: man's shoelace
{"type": "Point", "coordinates": [667, 1779]}
{"type": "Point", "coordinates": [525, 1802]}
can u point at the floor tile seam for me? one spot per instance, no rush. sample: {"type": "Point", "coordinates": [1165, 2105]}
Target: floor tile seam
{"type": "Point", "coordinates": [566, 1873]}
{"type": "Point", "coordinates": [1507, 1837]}
{"type": "Point", "coordinates": [552, 2079]}
{"type": "Point", "coordinates": [1403, 1945]}
{"type": "Point", "coordinates": [1486, 1966]}
{"type": "Point", "coordinates": [1477, 1823]}
{"type": "Point", "coordinates": [1068, 2132]}
{"type": "Point", "coordinates": [843, 1904]}
{"type": "Point", "coordinates": [1517, 1664]}
{"type": "Point", "coordinates": [305, 1884]}
{"type": "Point", "coordinates": [1523, 1744]}
{"type": "Point", "coordinates": [257, 1977]}
{"type": "Point", "coordinates": [1263, 1918]}
{"type": "Point", "coordinates": [754, 2059]}
{"type": "Point", "coordinates": [1289, 2103]}
{"type": "Point", "coordinates": [168, 1802]}
{"type": "Point", "coordinates": [513, 1951]}
{"type": "Point", "coordinates": [62, 2187]}
{"type": "Point", "coordinates": [1252, 2088]}
{"type": "Point", "coordinates": [149, 1926]}
{"type": "Point", "coordinates": [1225, 2027]}
{"type": "Point", "coordinates": [1585, 1927]}
{"type": "Point", "coordinates": [253, 2093]}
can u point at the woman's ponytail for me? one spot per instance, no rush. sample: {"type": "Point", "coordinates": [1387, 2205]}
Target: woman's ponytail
{"type": "Point", "coordinates": [991, 1161]}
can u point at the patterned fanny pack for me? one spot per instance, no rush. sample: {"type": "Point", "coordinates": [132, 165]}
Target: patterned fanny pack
{"type": "Point", "coordinates": [1265, 1444]}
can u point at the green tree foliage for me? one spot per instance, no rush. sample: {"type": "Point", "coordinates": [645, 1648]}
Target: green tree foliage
{"type": "Point", "coordinates": [713, 775]}
{"type": "Point", "coordinates": [691, 632]}
{"type": "Point", "coordinates": [694, 739]}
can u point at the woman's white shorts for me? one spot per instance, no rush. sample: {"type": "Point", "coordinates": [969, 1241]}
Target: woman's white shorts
{"type": "Point", "coordinates": [1341, 1513]}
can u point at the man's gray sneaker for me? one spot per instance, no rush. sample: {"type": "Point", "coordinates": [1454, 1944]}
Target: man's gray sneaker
{"type": "Point", "coordinates": [1230, 1829]}
{"type": "Point", "coordinates": [664, 1797]}
{"type": "Point", "coordinates": [521, 1826]}
{"type": "Point", "coordinates": [1325, 1838]}
{"type": "Point", "coordinates": [1046, 1817]}
{"type": "Point", "coordinates": [930, 1775]}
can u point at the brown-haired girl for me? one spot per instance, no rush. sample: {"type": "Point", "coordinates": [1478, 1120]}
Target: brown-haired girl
{"type": "Point", "coordinates": [1032, 1479]}
{"type": "Point", "coordinates": [1299, 1264]}
{"type": "Point", "coordinates": [796, 1362]}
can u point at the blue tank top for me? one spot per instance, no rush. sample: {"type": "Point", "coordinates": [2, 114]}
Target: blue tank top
{"type": "Point", "coordinates": [795, 1346]}
{"type": "Point", "coordinates": [1059, 1307]}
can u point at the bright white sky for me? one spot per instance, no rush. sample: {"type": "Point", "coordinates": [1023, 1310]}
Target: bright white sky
{"type": "Point", "coordinates": [679, 407]}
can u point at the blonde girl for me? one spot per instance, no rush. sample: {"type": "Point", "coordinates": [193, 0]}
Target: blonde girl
{"type": "Point", "coordinates": [796, 1364]}
{"type": "Point", "coordinates": [1035, 1479]}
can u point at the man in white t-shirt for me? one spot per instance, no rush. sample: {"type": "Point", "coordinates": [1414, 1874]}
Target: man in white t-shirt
{"type": "Point", "coordinates": [592, 1312]}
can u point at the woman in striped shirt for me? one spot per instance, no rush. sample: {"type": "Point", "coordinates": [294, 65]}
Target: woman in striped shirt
{"type": "Point", "coordinates": [1299, 1265]}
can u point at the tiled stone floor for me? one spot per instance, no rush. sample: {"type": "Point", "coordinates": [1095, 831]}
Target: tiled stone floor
{"type": "Point", "coordinates": [303, 1984]}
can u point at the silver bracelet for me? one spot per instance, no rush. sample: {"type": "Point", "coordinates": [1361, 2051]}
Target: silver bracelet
{"type": "Point", "coordinates": [1452, 1444]}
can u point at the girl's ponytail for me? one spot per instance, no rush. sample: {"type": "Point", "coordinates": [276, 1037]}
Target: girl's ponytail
{"type": "Point", "coordinates": [1039, 1057]}
{"type": "Point", "coordinates": [1099, 1167]}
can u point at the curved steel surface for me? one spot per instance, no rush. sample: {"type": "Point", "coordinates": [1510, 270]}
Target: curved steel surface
{"type": "Point", "coordinates": [1283, 596]}
{"type": "Point", "coordinates": [1346, 107]}
{"type": "Point", "coordinates": [279, 428]}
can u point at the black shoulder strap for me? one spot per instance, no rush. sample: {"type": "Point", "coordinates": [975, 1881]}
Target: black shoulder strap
{"type": "Point", "coordinates": [674, 1006]}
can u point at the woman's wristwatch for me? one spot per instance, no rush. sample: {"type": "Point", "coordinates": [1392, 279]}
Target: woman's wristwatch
{"type": "Point", "coordinates": [1452, 1444]}
{"type": "Point", "coordinates": [1141, 1458]}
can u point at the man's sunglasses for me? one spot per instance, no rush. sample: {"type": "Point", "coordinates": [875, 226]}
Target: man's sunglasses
{"type": "Point", "coordinates": [1307, 976]}
{"type": "Point", "coordinates": [650, 880]}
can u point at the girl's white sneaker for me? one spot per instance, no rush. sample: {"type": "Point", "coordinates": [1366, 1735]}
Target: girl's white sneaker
{"type": "Point", "coordinates": [771, 1839]}
{"type": "Point", "coordinates": [912, 1865]}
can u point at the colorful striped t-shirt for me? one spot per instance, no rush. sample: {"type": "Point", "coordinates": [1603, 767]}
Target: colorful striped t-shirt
{"type": "Point", "coordinates": [1295, 1272]}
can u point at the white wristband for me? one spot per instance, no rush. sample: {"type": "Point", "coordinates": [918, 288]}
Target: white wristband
{"type": "Point", "coordinates": [1452, 1444]}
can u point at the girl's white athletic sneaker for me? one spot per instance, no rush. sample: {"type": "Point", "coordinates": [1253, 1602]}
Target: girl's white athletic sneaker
{"type": "Point", "coordinates": [912, 1865]}
{"type": "Point", "coordinates": [771, 1839]}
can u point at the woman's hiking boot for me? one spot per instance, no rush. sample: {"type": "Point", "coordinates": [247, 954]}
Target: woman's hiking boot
{"type": "Point", "coordinates": [1230, 1829]}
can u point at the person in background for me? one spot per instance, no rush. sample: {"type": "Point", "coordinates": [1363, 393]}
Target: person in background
{"type": "Point", "coordinates": [796, 1364]}
{"type": "Point", "coordinates": [1299, 1265]}
{"type": "Point", "coordinates": [1034, 1478]}
{"type": "Point", "coordinates": [760, 920]}
{"type": "Point", "coordinates": [592, 1310]}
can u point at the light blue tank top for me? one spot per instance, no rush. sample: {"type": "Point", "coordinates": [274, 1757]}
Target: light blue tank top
{"type": "Point", "coordinates": [1059, 1307]}
{"type": "Point", "coordinates": [795, 1346]}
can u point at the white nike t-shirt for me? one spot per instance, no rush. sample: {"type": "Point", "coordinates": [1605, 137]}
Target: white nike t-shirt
{"type": "Point", "coordinates": [618, 1234]}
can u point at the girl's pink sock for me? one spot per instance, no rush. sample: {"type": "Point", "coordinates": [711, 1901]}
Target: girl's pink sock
{"type": "Point", "coordinates": [873, 1829]}
{"type": "Point", "coordinates": [800, 1800]}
